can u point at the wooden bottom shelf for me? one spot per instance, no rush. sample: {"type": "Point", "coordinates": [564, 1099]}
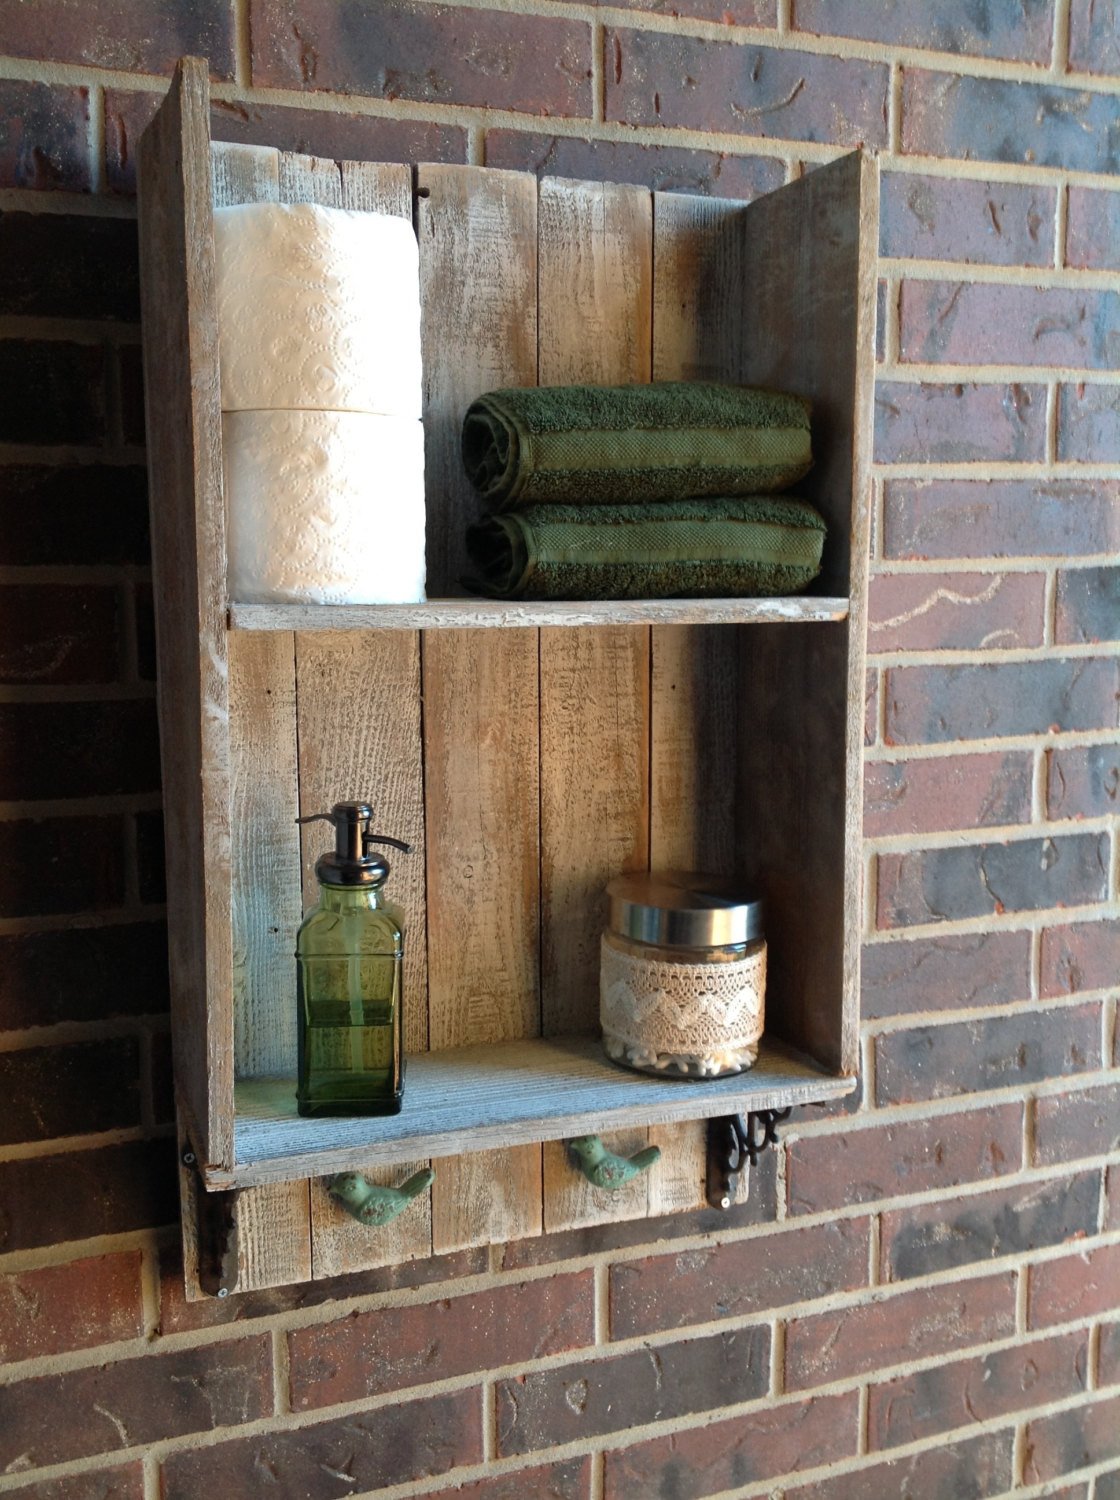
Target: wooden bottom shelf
{"type": "Point", "coordinates": [506, 1094]}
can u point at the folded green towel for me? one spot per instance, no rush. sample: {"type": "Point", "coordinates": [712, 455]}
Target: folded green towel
{"type": "Point", "coordinates": [683, 549]}
{"type": "Point", "coordinates": [605, 445]}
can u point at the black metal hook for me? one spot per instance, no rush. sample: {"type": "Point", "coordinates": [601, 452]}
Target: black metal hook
{"type": "Point", "coordinates": [733, 1144]}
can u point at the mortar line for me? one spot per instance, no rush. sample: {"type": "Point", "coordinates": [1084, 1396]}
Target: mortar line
{"type": "Point", "coordinates": [894, 107]}
{"type": "Point", "coordinates": [1061, 228]}
{"type": "Point", "coordinates": [602, 1309]}
{"type": "Point", "coordinates": [96, 138]}
{"type": "Point", "coordinates": [597, 1485]}
{"type": "Point", "coordinates": [243, 44]}
{"type": "Point", "coordinates": [489, 1419]}
{"type": "Point", "coordinates": [598, 71]}
{"type": "Point", "coordinates": [1059, 56]}
{"type": "Point", "coordinates": [281, 1373]}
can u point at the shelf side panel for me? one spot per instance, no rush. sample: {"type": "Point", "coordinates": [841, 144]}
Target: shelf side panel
{"type": "Point", "coordinates": [183, 418]}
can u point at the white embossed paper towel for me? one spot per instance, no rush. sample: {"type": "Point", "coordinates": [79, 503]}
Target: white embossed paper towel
{"type": "Point", "coordinates": [324, 507]}
{"type": "Point", "coordinates": [318, 309]}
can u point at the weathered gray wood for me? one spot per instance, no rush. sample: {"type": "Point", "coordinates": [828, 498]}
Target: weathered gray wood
{"type": "Point", "coordinates": [377, 187]}
{"type": "Point", "coordinates": [343, 1245]}
{"type": "Point", "coordinates": [310, 179]}
{"type": "Point", "coordinates": [244, 174]}
{"type": "Point", "coordinates": [188, 560]}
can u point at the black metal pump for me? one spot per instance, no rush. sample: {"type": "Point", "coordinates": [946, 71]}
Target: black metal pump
{"type": "Point", "coordinates": [351, 862]}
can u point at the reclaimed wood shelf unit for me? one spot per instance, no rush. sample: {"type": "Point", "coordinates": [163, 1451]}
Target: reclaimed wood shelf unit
{"type": "Point", "coordinates": [529, 752]}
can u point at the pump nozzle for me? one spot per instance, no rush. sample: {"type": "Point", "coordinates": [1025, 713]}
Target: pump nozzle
{"type": "Point", "coordinates": [351, 863]}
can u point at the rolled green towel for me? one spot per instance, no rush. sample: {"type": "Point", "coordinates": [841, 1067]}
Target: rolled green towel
{"type": "Point", "coordinates": [607, 445]}
{"type": "Point", "coordinates": [683, 549]}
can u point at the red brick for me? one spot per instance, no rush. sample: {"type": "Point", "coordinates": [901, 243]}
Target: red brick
{"type": "Point", "coordinates": [959, 423]}
{"type": "Point", "coordinates": [338, 137]}
{"type": "Point", "coordinates": [151, 877]}
{"type": "Point", "coordinates": [52, 391]}
{"type": "Point", "coordinates": [395, 49]}
{"type": "Point", "coordinates": [121, 35]}
{"type": "Point", "coordinates": [75, 513]}
{"type": "Point", "coordinates": [370, 1449]}
{"type": "Point", "coordinates": [44, 135]}
{"type": "Point", "coordinates": [947, 611]}
{"type": "Point", "coordinates": [972, 1469]}
{"type": "Point", "coordinates": [130, 395]}
{"type": "Point", "coordinates": [134, 1401]}
{"type": "Point", "coordinates": [1111, 1199]}
{"type": "Point", "coordinates": [568, 1480]}
{"type": "Point", "coordinates": [672, 169]}
{"type": "Point", "coordinates": [73, 1306]}
{"type": "Point", "coordinates": [939, 885]}
{"type": "Point", "coordinates": [861, 1165]}
{"type": "Point", "coordinates": [945, 518]}
{"type": "Point", "coordinates": [1074, 1288]}
{"type": "Point", "coordinates": [1007, 1381]}
{"type": "Point", "coordinates": [871, 707]}
{"type": "Point", "coordinates": [1074, 1439]}
{"type": "Point", "coordinates": [704, 1461]}
{"type": "Point", "coordinates": [1093, 230]}
{"type": "Point", "coordinates": [956, 791]}
{"type": "Point", "coordinates": [78, 749]}
{"type": "Point", "coordinates": [1082, 956]}
{"type": "Point", "coordinates": [58, 634]}
{"type": "Point", "coordinates": [737, 1279]}
{"type": "Point", "coordinates": [933, 704]}
{"type": "Point", "coordinates": [1087, 605]}
{"type": "Point", "coordinates": [40, 875]}
{"type": "Point", "coordinates": [75, 975]}
{"type": "Point", "coordinates": [108, 1190]}
{"type": "Point", "coordinates": [996, 119]}
{"type": "Point", "coordinates": [1108, 1357]}
{"type": "Point", "coordinates": [1078, 1123]}
{"type": "Point", "coordinates": [1094, 36]}
{"type": "Point", "coordinates": [662, 78]}
{"type": "Point", "coordinates": [80, 1089]}
{"type": "Point", "coordinates": [1083, 781]}
{"type": "Point", "coordinates": [979, 323]}
{"type": "Point", "coordinates": [896, 1329]}
{"type": "Point", "coordinates": [941, 1236]}
{"type": "Point", "coordinates": [983, 223]}
{"type": "Point", "coordinates": [1088, 424]}
{"type": "Point", "coordinates": [126, 1483]}
{"type": "Point", "coordinates": [940, 973]}
{"type": "Point", "coordinates": [367, 1354]}
{"type": "Point", "coordinates": [69, 266]}
{"type": "Point", "coordinates": [1003, 28]}
{"type": "Point", "coordinates": [940, 1062]}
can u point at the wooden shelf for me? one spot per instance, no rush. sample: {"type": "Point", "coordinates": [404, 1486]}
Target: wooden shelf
{"type": "Point", "coordinates": [499, 1095]}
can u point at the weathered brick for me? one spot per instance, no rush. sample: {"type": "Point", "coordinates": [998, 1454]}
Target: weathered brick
{"type": "Point", "coordinates": [896, 1329]}
{"type": "Point", "coordinates": [983, 223]}
{"type": "Point", "coordinates": [963, 1057]}
{"type": "Point", "coordinates": [130, 394]}
{"type": "Point", "coordinates": [1088, 424]}
{"type": "Point", "coordinates": [1002, 28]}
{"type": "Point", "coordinates": [980, 323]}
{"type": "Point", "coordinates": [49, 1092]}
{"type": "Point", "coordinates": [40, 875]}
{"type": "Point", "coordinates": [110, 1190]}
{"type": "Point", "coordinates": [1093, 230]}
{"type": "Point", "coordinates": [135, 1401]}
{"type": "Point", "coordinates": [1094, 36]}
{"type": "Point", "coordinates": [76, 975]}
{"type": "Point", "coordinates": [976, 1390]}
{"type": "Point", "coordinates": [662, 78]}
{"type": "Point", "coordinates": [737, 13]}
{"type": "Point", "coordinates": [69, 266]}
{"type": "Point", "coordinates": [121, 35]}
{"type": "Point", "coordinates": [1087, 605]}
{"type": "Point", "coordinates": [44, 136]}
{"type": "Point", "coordinates": [957, 791]}
{"type": "Point", "coordinates": [1074, 1288]}
{"type": "Point", "coordinates": [1108, 1367]}
{"type": "Point", "coordinates": [861, 1165]}
{"type": "Point", "coordinates": [883, 314]}
{"type": "Point", "coordinates": [1081, 956]}
{"type": "Point", "coordinates": [940, 885]}
{"type": "Point", "coordinates": [53, 633]}
{"type": "Point", "coordinates": [996, 119]}
{"type": "Point", "coordinates": [51, 391]}
{"type": "Point", "coordinates": [708, 1460]}
{"type": "Point", "coordinates": [959, 423]}
{"type": "Point", "coordinates": [733, 1280]}
{"type": "Point", "coordinates": [1111, 1218]}
{"type": "Point", "coordinates": [947, 611]}
{"type": "Point", "coordinates": [941, 973]}
{"type": "Point", "coordinates": [367, 1354]}
{"type": "Point", "coordinates": [96, 1300]}
{"type": "Point", "coordinates": [943, 518]}
{"type": "Point", "coordinates": [82, 513]}
{"type": "Point", "coordinates": [941, 1236]}
{"type": "Point", "coordinates": [151, 868]}
{"type": "Point", "coordinates": [871, 706]}
{"type": "Point", "coordinates": [1077, 1123]}
{"type": "Point", "coordinates": [931, 705]}
{"type": "Point", "coordinates": [1083, 781]}
{"type": "Point", "coordinates": [591, 1397]}
{"type": "Point", "coordinates": [395, 49]}
{"type": "Point", "coordinates": [78, 749]}
{"type": "Point", "coordinates": [973, 1469]}
{"type": "Point", "coordinates": [672, 169]}
{"type": "Point", "coordinates": [568, 1480]}
{"type": "Point", "coordinates": [126, 1483]}
{"type": "Point", "coordinates": [370, 1449]}
{"type": "Point", "coordinates": [1070, 1440]}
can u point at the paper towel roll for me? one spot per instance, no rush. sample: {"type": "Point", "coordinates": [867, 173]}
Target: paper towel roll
{"type": "Point", "coordinates": [324, 507]}
{"type": "Point", "coordinates": [318, 309]}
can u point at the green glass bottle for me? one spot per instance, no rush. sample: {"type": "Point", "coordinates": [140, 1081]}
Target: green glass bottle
{"type": "Point", "coordinates": [348, 964]}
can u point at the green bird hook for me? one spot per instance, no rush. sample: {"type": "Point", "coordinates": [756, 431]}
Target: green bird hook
{"type": "Point", "coordinates": [602, 1168]}
{"type": "Point", "coordinates": [375, 1206]}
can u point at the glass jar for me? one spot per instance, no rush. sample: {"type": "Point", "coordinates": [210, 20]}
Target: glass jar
{"type": "Point", "coordinates": [682, 977]}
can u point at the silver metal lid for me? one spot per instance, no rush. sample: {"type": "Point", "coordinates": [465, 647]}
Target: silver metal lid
{"type": "Point", "coordinates": [682, 909]}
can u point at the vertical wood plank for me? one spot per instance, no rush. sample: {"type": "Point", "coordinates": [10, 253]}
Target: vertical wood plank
{"type": "Point", "coordinates": [343, 1245]}
{"type": "Point", "coordinates": [244, 174]}
{"type": "Point", "coordinates": [377, 187]}
{"type": "Point", "coordinates": [310, 179]}
{"type": "Point", "coordinates": [273, 1235]}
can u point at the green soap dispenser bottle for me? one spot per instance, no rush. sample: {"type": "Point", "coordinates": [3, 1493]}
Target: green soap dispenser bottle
{"type": "Point", "coordinates": [348, 963]}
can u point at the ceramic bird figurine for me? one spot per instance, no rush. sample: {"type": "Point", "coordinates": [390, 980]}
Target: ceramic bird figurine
{"type": "Point", "coordinates": [376, 1205]}
{"type": "Point", "coordinates": [602, 1168]}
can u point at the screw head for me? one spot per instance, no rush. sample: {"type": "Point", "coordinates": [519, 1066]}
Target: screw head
{"type": "Point", "coordinates": [223, 1291]}
{"type": "Point", "coordinates": [188, 1158]}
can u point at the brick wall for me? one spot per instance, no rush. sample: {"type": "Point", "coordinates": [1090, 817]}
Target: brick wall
{"type": "Point", "coordinates": [921, 1297]}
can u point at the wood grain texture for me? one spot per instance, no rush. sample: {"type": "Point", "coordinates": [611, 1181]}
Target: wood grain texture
{"type": "Point", "coordinates": [310, 179]}
{"type": "Point", "coordinates": [183, 415]}
{"type": "Point", "coordinates": [244, 174]}
{"type": "Point", "coordinates": [377, 187]}
{"type": "Point", "coordinates": [478, 284]}
{"type": "Point", "coordinates": [273, 1235]}
{"type": "Point", "coordinates": [342, 1245]}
